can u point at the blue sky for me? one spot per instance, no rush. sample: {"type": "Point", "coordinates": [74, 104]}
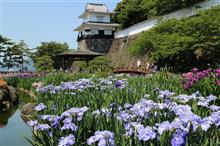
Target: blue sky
{"type": "Point", "coordinates": [38, 21]}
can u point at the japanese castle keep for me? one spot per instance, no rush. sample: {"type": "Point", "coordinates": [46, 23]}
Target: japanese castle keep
{"type": "Point", "coordinates": [96, 33]}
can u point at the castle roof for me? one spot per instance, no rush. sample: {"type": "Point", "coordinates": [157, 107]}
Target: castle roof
{"type": "Point", "coordinates": [80, 52]}
{"type": "Point", "coordinates": [95, 8]}
{"type": "Point", "coordinates": [92, 24]}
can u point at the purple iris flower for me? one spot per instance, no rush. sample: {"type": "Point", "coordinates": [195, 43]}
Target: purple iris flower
{"type": "Point", "coordinates": [205, 123]}
{"type": "Point", "coordinates": [127, 106]}
{"type": "Point", "coordinates": [56, 122]}
{"type": "Point", "coordinates": [120, 84]}
{"type": "Point", "coordinates": [48, 117]}
{"type": "Point", "coordinates": [211, 98]}
{"type": "Point", "coordinates": [165, 94]}
{"type": "Point", "coordinates": [157, 89]}
{"type": "Point", "coordinates": [40, 107]}
{"type": "Point", "coordinates": [180, 109]}
{"type": "Point", "coordinates": [79, 112]}
{"type": "Point", "coordinates": [103, 138]}
{"type": "Point", "coordinates": [218, 82]}
{"type": "Point", "coordinates": [194, 70]}
{"type": "Point", "coordinates": [215, 118]}
{"type": "Point", "coordinates": [128, 129]}
{"type": "Point", "coordinates": [179, 138]}
{"type": "Point", "coordinates": [146, 133]}
{"type": "Point", "coordinates": [42, 127]}
{"type": "Point", "coordinates": [69, 126]}
{"type": "Point", "coordinates": [106, 112]}
{"type": "Point", "coordinates": [164, 126]}
{"type": "Point", "coordinates": [96, 112]}
{"type": "Point", "coordinates": [217, 71]}
{"type": "Point", "coordinates": [32, 123]}
{"type": "Point", "coordinates": [214, 107]}
{"type": "Point", "coordinates": [125, 117]}
{"type": "Point", "coordinates": [67, 141]}
{"type": "Point", "coordinates": [67, 120]}
{"type": "Point", "coordinates": [203, 103]}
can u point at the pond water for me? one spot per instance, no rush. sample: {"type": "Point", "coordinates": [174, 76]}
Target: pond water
{"type": "Point", "coordinates": [12, 128]}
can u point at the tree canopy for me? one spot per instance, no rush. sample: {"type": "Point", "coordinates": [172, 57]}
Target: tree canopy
{"type": "Point", "coordinates": [183, 44]}
{"type": "Point", "coordinates": [50, 49]}
{"type": "Point", "coordinates": [13, 54]}
{"type": "Point", "coordinates": [44, 63]}
{"type": "Point", "coordinates": [129, 12]}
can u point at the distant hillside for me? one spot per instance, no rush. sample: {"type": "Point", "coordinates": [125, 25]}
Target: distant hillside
{"type": "Point", "coordinates": [129, 12]}
{"type": "Point", "coordinates": [182, 44]}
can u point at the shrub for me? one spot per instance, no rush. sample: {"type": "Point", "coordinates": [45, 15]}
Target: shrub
{"type": "Point", "coordinates": [44, 63]}
{"type": "Point", "coordinates": [99, 64]}
{"type": "Point", "coordinates": [183, 44]}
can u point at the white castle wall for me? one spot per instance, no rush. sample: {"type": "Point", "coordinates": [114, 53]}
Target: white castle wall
{"type": "Point", "coordinates": [92, 17]}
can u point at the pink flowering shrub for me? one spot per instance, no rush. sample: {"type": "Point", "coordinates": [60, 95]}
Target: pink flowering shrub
{"type": "Point", "coordinates": [207, 80]}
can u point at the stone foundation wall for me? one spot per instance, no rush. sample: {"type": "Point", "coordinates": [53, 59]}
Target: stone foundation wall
{"type": "Point", "coordinates": [96, 45]}
{"type": "Point", "coordinates": [119, 53]}
{"type": "Point", "coordinates": [116, 49]}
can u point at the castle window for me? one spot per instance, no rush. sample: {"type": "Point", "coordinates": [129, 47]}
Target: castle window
{"type": "Point", "coordinates": [108, 32]}
{"type": "Point", "coordinates": [94, 31]}
{"type": "Point", "coordinates": [101, 32]}
{"type": "Point", "coordinates": [83, 32]}
{"type": "Point", "coordinates": [100, 18]}
{"type": "Point", "coordinates": [87, 32]}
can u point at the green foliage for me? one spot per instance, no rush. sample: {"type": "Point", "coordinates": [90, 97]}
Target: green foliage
{"type": "Point", "coordinates": [24, 83]}
{"type": "Point", "coordinates": [51, 49]}
{"type": "Point", "coordinates": [12, 54]}
{"type": "Point", "coordinates": [129, 12]}
{"type": "Point", "coordinates": [183, 44]}
{"type": "Point", "coordinates": [11, 81]}
{"type": "Point", "coordinates": [9, 58]}
{"type": "Point", "coordinates": [100, 64]}
{"type": "Point", "coordinates": [56, 78]}
{"type": "Point", "coordinates": [44, 63]}
{"type": "Point", "coordinates": [7, 52]}
{"type": "Point", "coordinates": [22, 54]}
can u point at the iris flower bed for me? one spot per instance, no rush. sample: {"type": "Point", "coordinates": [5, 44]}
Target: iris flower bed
{"type": "Point", "coordinates": [24, 80]}
{"type": "Point", "coordinates": [207, 81]}
{"type": "Point", "coordinates": [123, 110]}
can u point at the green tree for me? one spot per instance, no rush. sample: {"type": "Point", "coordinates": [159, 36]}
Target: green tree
{"type": "Point", "coordinates": [5, 43]}
{"type": "Point", "coordinates": [9, 58]}
{"type": "Point", "coordinates": [183, 44]}
{"type": "Point", "coordinates": [44, 63]}
{"type": "Point", "coordinates": [23, 54]}
{"type": "Point", "coordinates": [13, 54]}
{"type": "Point", "coordinates": [129, 12]}
{"type": "Point", "coordinates": [51, 49]}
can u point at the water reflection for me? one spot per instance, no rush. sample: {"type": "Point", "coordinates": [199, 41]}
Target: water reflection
{"type": "Point", "coordinates": [13, 130]}
{"type": "Point", "coordinates": [5, 115]}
